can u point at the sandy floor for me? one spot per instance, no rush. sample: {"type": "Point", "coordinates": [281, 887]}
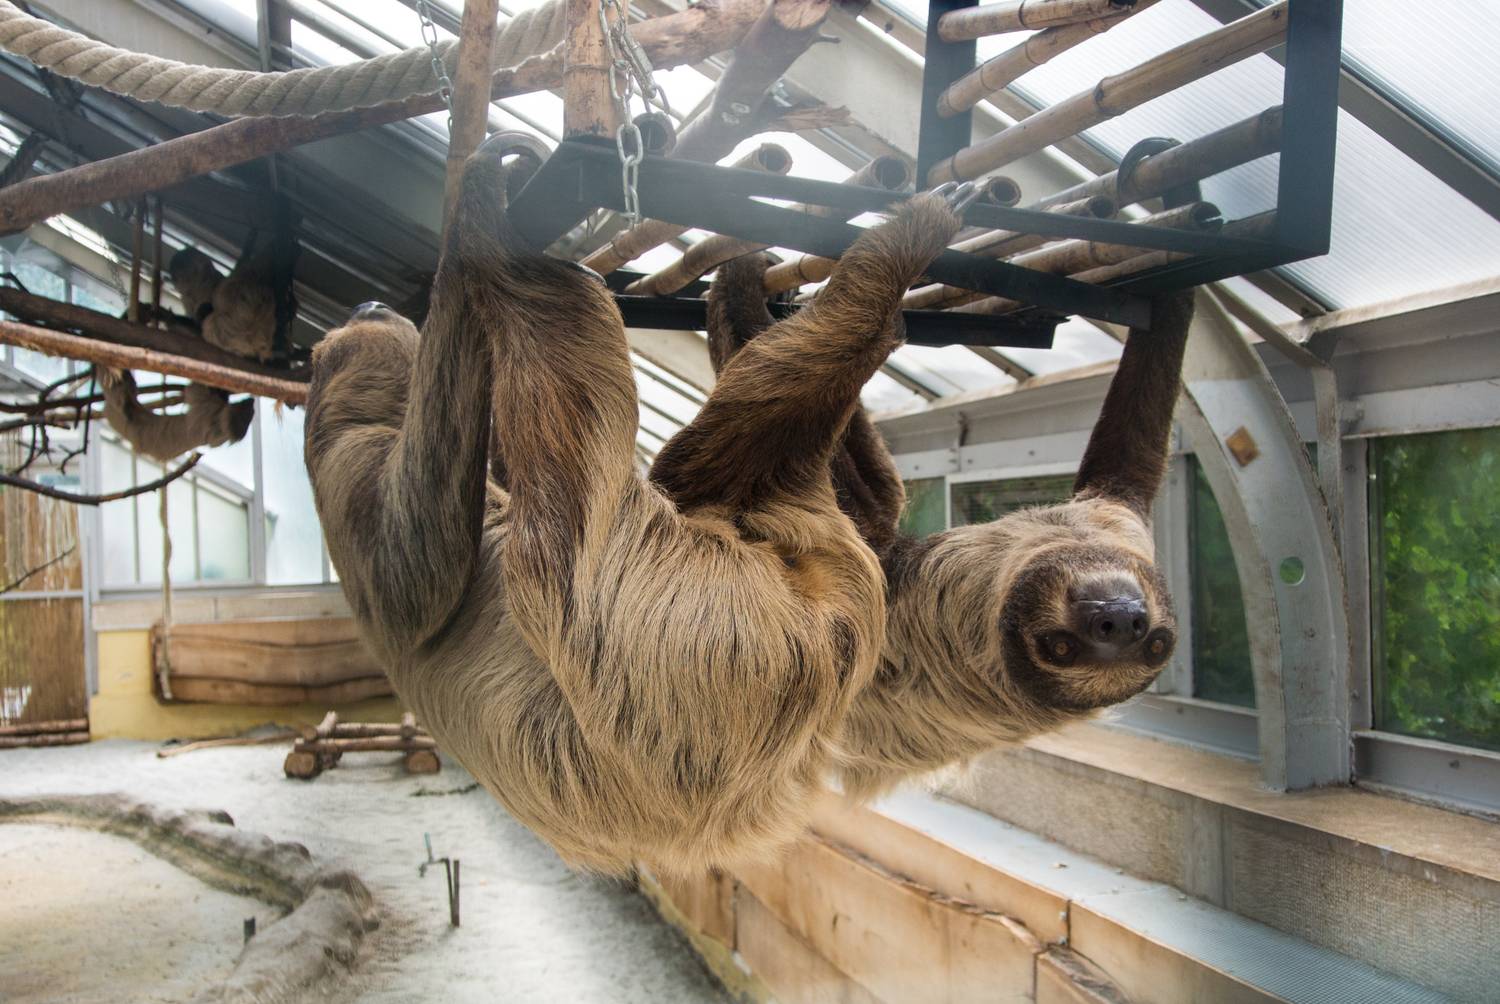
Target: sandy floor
{"type": "Point", "coordinates": [532, 930]}
{"type": "Point", "coordinates": [62, 888]}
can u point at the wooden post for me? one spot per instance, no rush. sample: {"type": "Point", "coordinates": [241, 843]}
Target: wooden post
{"type": "Point", "coordinates": [589, 108]}
{"type": "Point", "coordinates": [1023, 15]}
{"type": "Point", "coordinates": [1118, 94]}
{"type": "Point", "coordinates": [471, 93]}
{"type": "Point", "coordinates": [137, 248]}
{"type": "Point", "coordinates": [687, 37]}
{"type": "Point", "coordinates": [999, 72]}
{"type": "Point", "coordinates": [117, 356]}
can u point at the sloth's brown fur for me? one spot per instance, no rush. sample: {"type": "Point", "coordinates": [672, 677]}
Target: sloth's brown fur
{"type": "Point", "coordinates": [636, 677]}
{"type": "Point", "coordinates": [237, 312]}
{"type": "Point", "coordinates": [211, 418]}
{"type": "Point", "coordinates": [962, 670]}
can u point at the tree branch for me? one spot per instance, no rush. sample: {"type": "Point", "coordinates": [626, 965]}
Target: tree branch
{"type": "Point", "coordinates": [77, 499]}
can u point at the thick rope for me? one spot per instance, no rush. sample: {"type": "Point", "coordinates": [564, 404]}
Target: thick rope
{"type": "Point", "coordinates": [311, 91]}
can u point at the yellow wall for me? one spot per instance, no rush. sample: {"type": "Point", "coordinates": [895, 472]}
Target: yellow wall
{"type": "Point", "coordinates": [126, 708]}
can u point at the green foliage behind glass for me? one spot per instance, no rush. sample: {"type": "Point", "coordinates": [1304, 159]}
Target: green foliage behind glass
{"type": "Point", "coordinates": [1221, 639]}
{"type": "Point", "coordinates": [924, 507]}
{"type": "Point", "coordinates": [1435, 528]}
{"type": "Point", "coordinates": [984, 501]}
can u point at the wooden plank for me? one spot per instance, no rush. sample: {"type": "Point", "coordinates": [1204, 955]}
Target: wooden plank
{"type": "Point", "coordinates": [1148, 970]}
{"type": "Point", "coordinates": [707, 901]}
{"type": "Point", "coordinates": [297, 652]}
{"type": "Point", "coordinates": [939, 866]}
{"type": "Point", "coordinates": [269, 695]}
{"type": "Point", "coordinates": [901, 941]}
{"type": "Point", "coordinates": [788, 965]}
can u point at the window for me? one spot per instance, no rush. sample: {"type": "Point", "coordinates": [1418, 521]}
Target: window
{"type": "Point", "coordinates": [985, 501]}
{"type": "Point", "coordinates": [1435, 585]}
{"type": "Point", "coordinates": [1221, 640]}
{"type": "Point", "coordinates": [924, 507]}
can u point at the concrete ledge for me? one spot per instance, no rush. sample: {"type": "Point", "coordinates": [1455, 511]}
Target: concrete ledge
{"type": "Point", "coordinates": [329, 911]}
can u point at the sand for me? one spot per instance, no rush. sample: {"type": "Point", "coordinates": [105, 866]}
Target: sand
{"type": "Point", "coordinates": [533, 931]}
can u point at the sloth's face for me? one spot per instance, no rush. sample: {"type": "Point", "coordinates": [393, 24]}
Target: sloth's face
{"type": "Point", "coordinates": [1086, 625]}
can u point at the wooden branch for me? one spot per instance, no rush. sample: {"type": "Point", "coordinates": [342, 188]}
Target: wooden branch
{"type": "Point", "coordinates": [708, 254]}
{"type": "Point", "coordinates": [207, 744]}
{"type": "Point", "coordinates": [367, 744]}
{"type": "Point", "coordinates": [39, 728]}
{"type": "Point", "coordinates": [999, 72]}
{"type": "Point", "coordinates": [471, 93]}
{"type": "Point", "coordinates": [77, 499]}
{"type": "Point", "coordinates": [1255, 227]}
{"type": "Point", "coordinates": [1023, 15]}
{"type": "Point", "coordinates": [1246, 140]}
{"type": "Point", "coordinates": [639, 239]}
{"type": "Point", "coordinates": [103, 327]}
{"type": "Point", "coordinates": [588, 106]}
{"type": "Point", "coordinates": [689, 36]}
{"type": "Point", "coordinates": [1118, 94]}
{"type": "Point", "coordinates": [1074, 256]}
{"type": "Point", "coordinates": [289, 389]}
{"type": "Point", "coordinates": [783, 31]}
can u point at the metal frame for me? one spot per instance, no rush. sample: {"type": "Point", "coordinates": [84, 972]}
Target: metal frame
{"type": "Point", "coordinates": [1309, 131]}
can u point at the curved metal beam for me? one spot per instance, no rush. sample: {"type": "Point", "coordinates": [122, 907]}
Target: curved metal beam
{"type": "Point", "coordinates": [1277, 520]}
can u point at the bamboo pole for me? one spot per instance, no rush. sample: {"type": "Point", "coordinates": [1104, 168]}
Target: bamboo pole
{"type": "Point", "coordinates": [1074, 256]}
{"type": "Point", "coordinates": [589, 108]}
{"type": "Point", "coordinates": [1022, 15]}
{"type": "Point", "coordinates": [1228, 148]}
{"type": "Point", "coordinates": [1000, 190]}
{"type": "Point", "coordinates": [471, 94]}
{"type": "Point", "coordinates": [999, 72]}
{"type": "Point", "coordinates": [38, 728]}
{"type": "Point", "coordinates": [995, 244]}
{"type": "Point", "coordinates": [683, 38]}
{"type": "Point", "coordinates": [1117, 94]}
{"type": "Point", "coordinates": [890, 173]}
{"type": "Point", "coordinates": [117, 356]}
{"type": "Point", "coordinates": [647, 234]}
{"type": "Point", "coordinates": [1259, 226]}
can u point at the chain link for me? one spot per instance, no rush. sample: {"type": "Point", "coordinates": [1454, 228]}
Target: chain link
{"type": "Point", "coordinates": [439, 71]}
{"type": "Point", "coordinates": [630, 71]}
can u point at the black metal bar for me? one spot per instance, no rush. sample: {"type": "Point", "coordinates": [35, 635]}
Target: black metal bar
{"type": "Point", "coordinates": [942, 64]}
{"type": "Point", "coordinates": [1030, 330]}
{"type": "Point", "coordinates": [1309, 131]}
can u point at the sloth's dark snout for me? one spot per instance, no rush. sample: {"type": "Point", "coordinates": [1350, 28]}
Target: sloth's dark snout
{"type": "Point", "coordinates": [1117, 621]}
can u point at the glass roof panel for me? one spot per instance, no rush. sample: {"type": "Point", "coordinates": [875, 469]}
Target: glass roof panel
{"type": "Point", "coordinates": [949, 370]}
{"type": "Point", "coordinates": [883, 393]}
{"type": "Point", "coordinates": [1077, 343]}
{"type": "Point", "coordinates": [1439, 57]}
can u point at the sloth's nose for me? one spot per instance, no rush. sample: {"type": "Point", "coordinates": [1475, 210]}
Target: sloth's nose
{"type": "Point", "coordinates": [371, 310]}
{"type": "Point", "coordinates": [1116, 621]}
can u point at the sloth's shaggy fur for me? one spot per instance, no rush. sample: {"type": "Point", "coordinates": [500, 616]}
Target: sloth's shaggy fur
{"type": "Point", "coordinates": [237, 312]}
{"type": "Point", "coordinates": [636, 676]}
{"type": "Point", "coordinates": [211, 418]}
{"type": "Point", "coordinates": [966, 666]}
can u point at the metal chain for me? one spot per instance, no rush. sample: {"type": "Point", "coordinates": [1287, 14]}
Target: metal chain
{"type": "Point", "coordinates": [630, 65]}
{"type": "Point", "coordinates": [439, 71]}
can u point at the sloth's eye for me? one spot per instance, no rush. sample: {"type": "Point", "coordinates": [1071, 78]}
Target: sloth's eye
{"type": "Point", "coordinates": [1159, 646]}
{"type": "Point", "coordinates": [1060, 648]}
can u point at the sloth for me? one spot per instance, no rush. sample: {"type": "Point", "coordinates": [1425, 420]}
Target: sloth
{"type": "Point", "coordinates": [236, 313]}
{"type": "Point", "coordinates": [637, 672]}
{"type": "Point", "coordinates": [210, 420]}
{"type": "Point", "coordinates": [1003, 630]}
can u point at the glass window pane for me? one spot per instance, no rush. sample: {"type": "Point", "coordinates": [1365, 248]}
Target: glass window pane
{"type": "Point", "coordinates": [118, 517]}
{"type": "Point", "coordinates": [924, 507]}
{"type": "Point", "coordinates": [984, 501]}
{"type": "Point", "coordinates": [294, 540]}
{"type": "Point", "coordinates": [1221, 639]}
{"type": "Point", "coordinates": [1435, 520]}
{"type": "Point", "coordinates": [224, 535]}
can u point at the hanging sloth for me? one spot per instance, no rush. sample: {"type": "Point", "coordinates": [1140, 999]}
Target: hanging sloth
{"type": "Point", "coordinates": [211, 418]}
{"type": "Point", "coordinates": [998, 631]}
